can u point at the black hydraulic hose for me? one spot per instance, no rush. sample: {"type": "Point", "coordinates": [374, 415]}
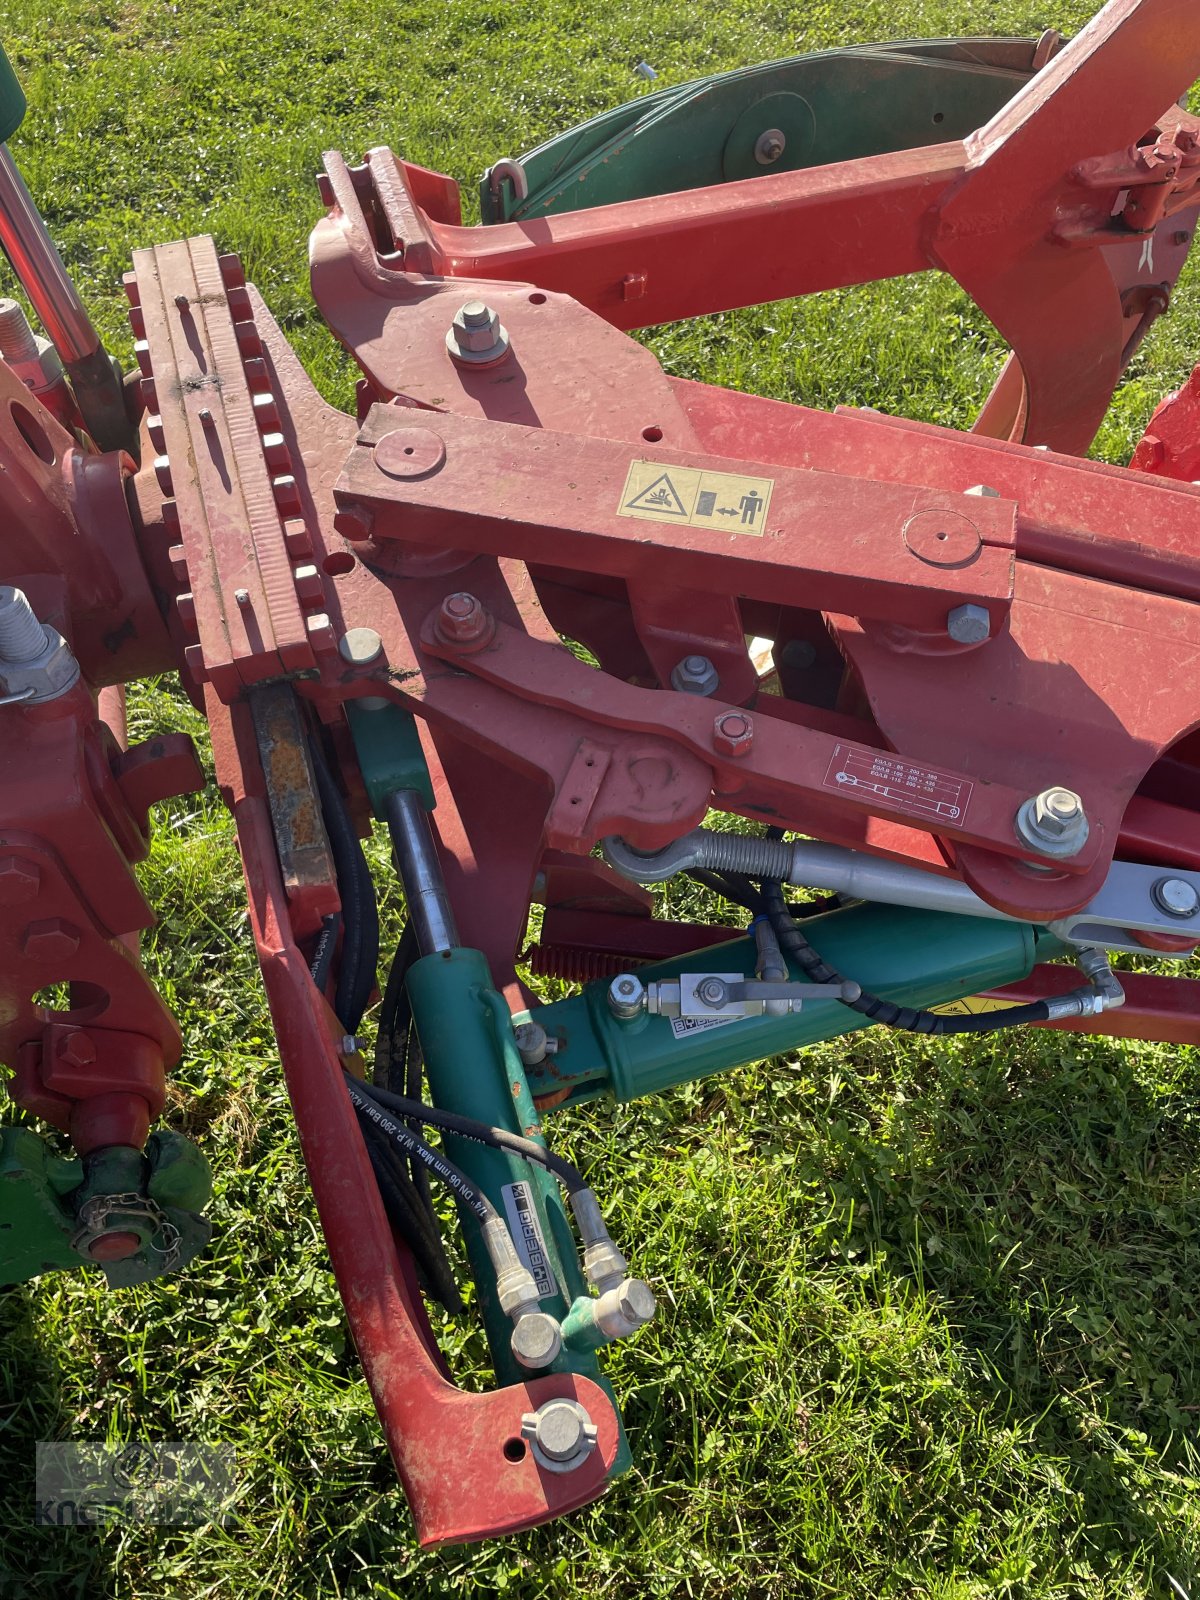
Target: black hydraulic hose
{"type": "Point", "coordinates": [452, 1176]}
{"type": "Point", "coordinates": [794, 945]}
{"type": "Point", "coordinates": [360, 914]}
{"type": "Point", "coordinates": [483, 1133]}
{"type": "Point", "coordinates": [326, 944]}
{"type": "Point", "coordinates": [408, 1217]}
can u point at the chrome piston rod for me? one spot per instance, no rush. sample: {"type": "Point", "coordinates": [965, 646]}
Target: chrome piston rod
{"type": "Point", "coordinates": [421, 873]}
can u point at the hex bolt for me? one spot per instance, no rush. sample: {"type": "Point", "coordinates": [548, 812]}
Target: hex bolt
{"type": "Point", "coordinates": [695, 675]}
{"type": "Point", "coordinates": [968, 624]}
{"type": "Point", "coordinates": [462, 619]}
{"type": "Point", "coordinates": [1176, 897]}
{"type": "Point", "coordinates": [242, 596]}
{"type": "Point", "coordinates": [476, 337]}
{"type": "Point", "coordinates": [358, 647]}
{"type": "Point", "coordinates": [770, 146]}
{"type": "Point", "coordinates": [733, 733]}
{"type": "Point", "coordinates": [562, 1433]}
{"type": "Point", "coordinates": [626, 996]}
{"type": "Point", "coordinates": [536, 1339]}
{"type": "Point", "coordinates": [1053, 822]}
{"type": "Point", "coordinates": [50, 940]}
{"type": "Point", "coordinates": [22, 637]}
{"type": "Point", "coordinates": [17, 341]}
{"type": "Point", "coordinates": [712, 992]}
{"type": "Point", "coordinates": [76, 1050]}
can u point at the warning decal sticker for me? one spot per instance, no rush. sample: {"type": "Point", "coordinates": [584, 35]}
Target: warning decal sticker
{"type": "Point", "coordinates": [974, 1005]}
{"type": "Point", "coordinates": [657, 492]}
{"type": "Point", "coordinates": [919, 791]}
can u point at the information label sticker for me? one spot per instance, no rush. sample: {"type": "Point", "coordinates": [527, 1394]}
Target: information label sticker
{"type": "Point", "coordinates": [918, 791]}
{"type": "Point", "coordinates": [655, 491]}
{"type": "Point", "coordinates": [527, 1235]}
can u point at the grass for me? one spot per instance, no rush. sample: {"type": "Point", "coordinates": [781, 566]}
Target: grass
{"type": "Point", "coordinates": [929, 1324]}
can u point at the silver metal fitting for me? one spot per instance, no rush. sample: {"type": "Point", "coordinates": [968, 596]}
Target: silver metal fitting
{"type": "Point", "coordinates": [969, 624]}
{"type": "Point", "coordinates": [626, 996]}
{"type": "Point", "coordinates": [534, 1044]}
{"type": "Point", "coordinates": [695, 675]}
{"type": "Point", "coordinates": [769, 146]}
{"type": "Point", "coordinates": [35, 361]}
{"type": "Point", "coordinates": [36, 662]}
{"type": "Point", "coordinates": [604, 1266]}
{"type": "Point", "coordinates": [1177, 897]}
{"type": "Point", "coordinates": [1053, 823]}
{"type": "Point", "coordinates": [624, 1309]}
{"type": "Point", "coordinates": [476, 336]}
{"type": "Point", "coordinates": [358, 647]}
{"type": "Point", "coordinates": [984, 491]}
{"type": "Point", "coordinates": [536, 1339]}
{"type": "Point", "coordinates": [561, 1435]}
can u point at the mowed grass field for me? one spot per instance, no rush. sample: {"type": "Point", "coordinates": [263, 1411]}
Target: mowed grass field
{"type": "Point", "coordinates": [929, 1318]}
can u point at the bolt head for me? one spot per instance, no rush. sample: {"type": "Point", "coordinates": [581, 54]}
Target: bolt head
{"type": "Point", "coordinates": [984, 491]}
{"type": "Point", "coordinates": [1177, 897]}
{"type": "Point", "coordinates": [358, 647]}
{"type": "Point", "coordinates": [733, 733]}
{"type": "Point", "coordinates": [462, 619]}
{"type": "Point", "coordinates": [50, 940]}
{"type": "Point", "coordinates": [19, 880]}
{"type": "Point", "coordinates": [695, 675]}
{"type": "Point", "coordinates": [76, 1049]}
{"type": "Point", "coordinates": [968, 624]}
{"type": "Point", "coordinates": [536, 1339]}
{"type": "Point", "coordinates": [637, 1302]}
{"type": "Point", "coordinates": [626, 996]}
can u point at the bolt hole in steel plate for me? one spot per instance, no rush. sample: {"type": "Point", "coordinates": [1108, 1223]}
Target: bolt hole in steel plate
{"type": "Point", "coordinates": [942, 538]}
{"type": "Point", "coordinates": [31, 430]}
{"type": "Point", "coordinates": [71, 1001]}
{"type": "Point", "coordinates": [515, 1449]}
{"type": "Point", "coordinates": [338, 564]}
{"type": "Point", "coordinates": [409, 453]}
{"type": "Point", "coordinates": [791, 114]}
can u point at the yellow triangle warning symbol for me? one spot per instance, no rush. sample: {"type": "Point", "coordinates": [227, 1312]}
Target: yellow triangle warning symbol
{"type": "Point", "coordinates": [661, 497]}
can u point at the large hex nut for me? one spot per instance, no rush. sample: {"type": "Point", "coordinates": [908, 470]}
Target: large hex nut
{"type": "Point", "coordinates": [39, 373]}
{"type": "Point", "coordinates": [48, 675]}
{"type": "Point", "coordinates": [476, 336]}
{"type": "Point", "coordinates": [733, 733]}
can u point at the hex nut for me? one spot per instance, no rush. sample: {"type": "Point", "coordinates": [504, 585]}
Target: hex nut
{"type": "Point", "coordinates": [1053, 822]}
{"type": "Point", "coordinates": [695, 675]}
{"type": "Point", "coordinates": [463, 620]}
{"type": "Point", "coordinates": [476, 336]}
{"type": "Point", "coordinates": [50, 940]}
{"type": "Point", "coordinates": [49, 674]}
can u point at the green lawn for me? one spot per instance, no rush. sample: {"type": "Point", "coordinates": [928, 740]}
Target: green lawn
{"type": "Point", "coordinates": [929, 1319]}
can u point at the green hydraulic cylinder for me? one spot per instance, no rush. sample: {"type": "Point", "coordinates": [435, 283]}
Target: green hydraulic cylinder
{"type": "Point", "coordinates": [913, 958]}
{"type": "Point", "coordinates": [12, 100]}
{"type": "Point", "coordinates": [471, 1059]}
